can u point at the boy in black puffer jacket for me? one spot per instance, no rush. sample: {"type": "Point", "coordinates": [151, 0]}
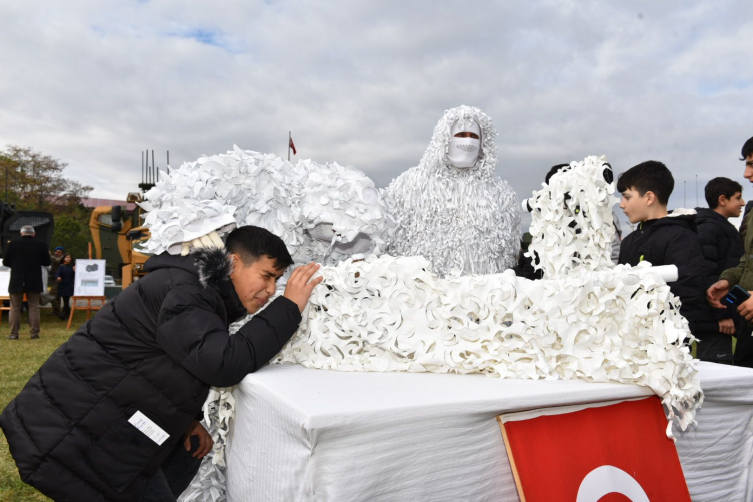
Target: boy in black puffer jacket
{"type": "Point", "coordinates": [720, 240]}
{"type": "Point", "coordinates": [108, 412]}
{"type": "Point", "coordinates": [670, 239]}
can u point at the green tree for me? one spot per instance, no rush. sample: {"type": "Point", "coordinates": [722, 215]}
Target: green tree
{"type": "Point", "coordinates": [72, 235]}
{"type": "Point", "coordinates": [35, 182]}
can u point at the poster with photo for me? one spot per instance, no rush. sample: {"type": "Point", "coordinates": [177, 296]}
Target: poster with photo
{"type": "Point", "coordinates": [90, 278]}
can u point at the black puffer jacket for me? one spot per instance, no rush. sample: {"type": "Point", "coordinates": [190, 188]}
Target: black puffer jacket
{"type": "Point", "coordinates": [673, 240]}
{"type": "Point", "coordinates": [722, 248]}
{"type": "Point", "coordinates": [156, 348]}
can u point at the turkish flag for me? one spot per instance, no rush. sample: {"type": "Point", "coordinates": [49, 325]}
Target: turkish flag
{"type": "Point", "coordinates": [292, 145]}
{"type": "Point", "coordinates": [613, 452]}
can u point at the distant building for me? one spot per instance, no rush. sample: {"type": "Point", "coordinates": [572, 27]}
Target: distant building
{"type": "Point", "coordinates": [92, 203]}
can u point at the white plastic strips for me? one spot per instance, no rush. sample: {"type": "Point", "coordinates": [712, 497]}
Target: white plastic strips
{"type": "Point", "coordinates": [393, 314]}
{"type": "Point", "coordinates": [572, 227]}
{"type": "Point", "coordinates": [464, 219]}
{"type": "Point", "coordinates": [321, 212]}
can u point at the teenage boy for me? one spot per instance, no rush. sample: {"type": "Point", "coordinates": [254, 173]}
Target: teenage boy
{"type": "Point", "coordinates": [741, 275]}
{"type": "Point", "coordinates": [670, 239]}
{"type": "Point", "coordinates": [720, 240]}
{"type": "Point", "coordinates": [112, 412]}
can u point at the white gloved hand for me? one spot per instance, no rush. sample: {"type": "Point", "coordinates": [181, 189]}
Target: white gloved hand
{"type": "Point", "coordinates": [209, 241]}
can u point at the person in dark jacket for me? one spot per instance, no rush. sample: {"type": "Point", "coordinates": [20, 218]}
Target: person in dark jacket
{"type": "Point", "coordinates": [55, 259]}
{"type": "Point", "coordinates": [670, 239]}
{"type": "Point", "coordinates": [720, 240]}
{"type": "Point", "coordinates": [101, 416]}
{"type": "Point", "coordinates": [740, 275]}
{"type": "Point", "coordinates": [65, 278]}
{"type": "Point", "coordinates": [25, 257]}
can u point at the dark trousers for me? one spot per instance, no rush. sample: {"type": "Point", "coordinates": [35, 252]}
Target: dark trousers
{"type": "Point", "coordinates": [16, 300]}
{"type": "Point", "coordinates": [744, 348]}
{"type": "Point", "coordinates": [66, 306]}
{"type": "Point", "coordinates": [55, 303]}
{"type": "Point", "coordinates": [177, 472]}
{"type": "Point", "coordinates": [714, 348]}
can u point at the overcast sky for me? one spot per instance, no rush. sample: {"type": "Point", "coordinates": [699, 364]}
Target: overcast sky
{"type": "Point", "coordinates": [363, 83]}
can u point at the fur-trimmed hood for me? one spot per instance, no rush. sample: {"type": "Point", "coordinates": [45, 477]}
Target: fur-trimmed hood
{"type": "Point", "coordinates": [212, 266]}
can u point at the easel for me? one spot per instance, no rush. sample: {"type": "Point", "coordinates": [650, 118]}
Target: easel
{"type": "Point", "coordinates": [89, 307]}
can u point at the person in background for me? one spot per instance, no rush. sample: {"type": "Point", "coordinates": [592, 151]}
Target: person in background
{"type": "Point", "coordinates": [65, 279]}
{"type": "Point", "coordinates": [25, 257]}
{"type": "Point", "coordinates": [742, 275]}
{"type": "Point", "coordinates": [720, 240]}
{"type": "Point", "coordinates": [57, 256]}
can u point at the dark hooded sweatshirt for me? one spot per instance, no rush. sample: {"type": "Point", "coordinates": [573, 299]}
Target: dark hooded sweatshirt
{"type": "Point", "coordinates": [673, 240]}
{"type": "Point", "coordinates": [156, 348]}
{"type": "Point", "coordinates": [722, 248]}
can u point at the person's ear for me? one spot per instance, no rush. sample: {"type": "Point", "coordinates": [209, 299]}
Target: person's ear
{"type": "Point", "coordinates": [722, 200]}
{"type": "Point", "coordinates": [233, 259]}
{"type": "Point", "coordinates": [650, 198]}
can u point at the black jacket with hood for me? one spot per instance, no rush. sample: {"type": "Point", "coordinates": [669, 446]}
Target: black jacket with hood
{"type": "Point", "coordinates": [156, 348]}
{"type": "Point", "coordinates": [673, 240]}
{"type": "Point", "coordinates": [722, 248]}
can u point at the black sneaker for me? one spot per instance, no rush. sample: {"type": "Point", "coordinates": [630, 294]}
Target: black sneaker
{"type": "Point", "coordinates": [13, 337]}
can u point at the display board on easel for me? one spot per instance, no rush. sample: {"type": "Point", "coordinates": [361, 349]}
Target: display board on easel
{"type": "Point", "coordinates": [90, 278]}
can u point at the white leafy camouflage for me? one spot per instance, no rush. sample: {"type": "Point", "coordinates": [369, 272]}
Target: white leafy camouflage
{"type": "Point", "coordinates": [463, 219]}
{"type": "Point", "coordinates": [572, 227]}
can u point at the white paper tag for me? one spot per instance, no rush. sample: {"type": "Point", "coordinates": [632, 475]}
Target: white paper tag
{"type": "Point", "coordinates": [149, 428]}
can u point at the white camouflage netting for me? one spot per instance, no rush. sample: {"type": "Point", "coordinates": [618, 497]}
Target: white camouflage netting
{"type": "Point", "coordinates": [457, 218]}
{"type": "Point", "coordinates": [572, 225]}
{"type": "Point", "coordinates": [392, 314]}
{"type": "Point", "coordinates": [293, 201]}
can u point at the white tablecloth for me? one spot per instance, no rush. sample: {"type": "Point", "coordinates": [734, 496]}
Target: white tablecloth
{"type": "Point", "coordinates": [302, 434]}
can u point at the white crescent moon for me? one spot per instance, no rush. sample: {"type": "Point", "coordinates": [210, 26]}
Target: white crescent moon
{"type": "Point", "coordinates": [609, 479]}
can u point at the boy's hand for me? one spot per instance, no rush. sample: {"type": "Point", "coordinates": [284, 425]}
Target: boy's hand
{"type": "Point", "coordinates": [746, 309]}
{"type": "Point", "coordinates": [727, 326]}
{"type": "Point", "coordinates": [205, 440]}
{"type": "Point", "coordinates": [300, 285]}
{"type": "Point", "coordinates": [716, 292]}
{"type": "Point", "coordinates": [60, 279]}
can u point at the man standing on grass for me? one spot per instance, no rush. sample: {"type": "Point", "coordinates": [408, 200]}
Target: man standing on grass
{"type": "Point", "coordinates": [25, 257]}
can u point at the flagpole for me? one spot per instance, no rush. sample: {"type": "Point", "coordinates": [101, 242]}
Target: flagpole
{"type": "Point", "coordinates": [290, 138]}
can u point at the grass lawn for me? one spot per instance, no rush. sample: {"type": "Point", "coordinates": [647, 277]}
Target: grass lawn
{"type": "Point", "coordinates": [20, 359]}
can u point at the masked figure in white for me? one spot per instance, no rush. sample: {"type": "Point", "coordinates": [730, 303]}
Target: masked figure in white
{"type": "Point", "coordinates": [452, 208]}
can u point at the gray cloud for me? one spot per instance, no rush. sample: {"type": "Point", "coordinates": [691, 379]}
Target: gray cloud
{"type": "Point", "coordinates": [95, 82]}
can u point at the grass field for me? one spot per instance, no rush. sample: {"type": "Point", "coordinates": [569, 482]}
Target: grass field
{"type": "Point", "coordinates": [19, 360]}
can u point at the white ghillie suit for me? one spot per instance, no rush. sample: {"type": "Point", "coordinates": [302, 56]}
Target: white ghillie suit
{"type": "Point", "coordinates": [458, 218]}
{"type": "Point", "coordinates": [572, 227]}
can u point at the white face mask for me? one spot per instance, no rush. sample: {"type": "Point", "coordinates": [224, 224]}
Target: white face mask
{"type": "Point", "coordinates": [464, 152]}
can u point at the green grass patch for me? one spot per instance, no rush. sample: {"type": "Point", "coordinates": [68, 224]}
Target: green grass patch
{"type": "Point", "coordinates": [19, 361]}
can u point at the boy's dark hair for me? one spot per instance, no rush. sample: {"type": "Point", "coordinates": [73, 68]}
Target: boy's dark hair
{"type": "Point", "coordinates": [649, 176]}
{"type": "Point", "coordinates": [718, 187]}
{"type": "Point", "coordinates": [251, 243]}
{"type": "Point", "coordinates": [747, 150]}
